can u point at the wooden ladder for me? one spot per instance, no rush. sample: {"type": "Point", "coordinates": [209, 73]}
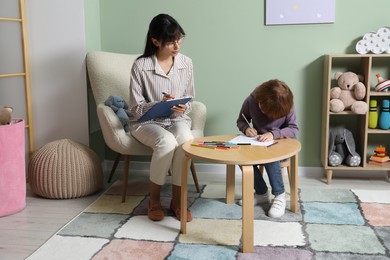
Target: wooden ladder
{"type": "Point", "coordinates": [25, 73]}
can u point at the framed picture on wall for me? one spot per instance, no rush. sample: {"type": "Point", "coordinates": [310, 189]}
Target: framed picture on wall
{"type": "Point", "coordinates": [279, 12]}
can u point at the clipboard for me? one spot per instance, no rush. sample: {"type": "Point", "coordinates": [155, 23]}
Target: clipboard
{"type": "Point", "coordinates": [163, 109]}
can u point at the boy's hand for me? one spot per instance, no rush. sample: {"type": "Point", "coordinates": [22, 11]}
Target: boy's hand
{"type": "Point", "coordinates": [250, 132]}
{"type": "Point", "coordinates": [266, 137]}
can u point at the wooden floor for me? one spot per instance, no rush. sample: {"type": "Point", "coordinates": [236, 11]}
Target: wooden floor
{"type": "Point", "coordinates": [22, 233]}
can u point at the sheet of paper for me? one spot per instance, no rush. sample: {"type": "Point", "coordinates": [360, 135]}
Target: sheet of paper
{"type": "Point", "coordinates": [251, 140]}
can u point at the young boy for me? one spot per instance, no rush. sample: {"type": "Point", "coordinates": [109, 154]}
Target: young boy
{"type": "Point", "coordinates": [270, 108]}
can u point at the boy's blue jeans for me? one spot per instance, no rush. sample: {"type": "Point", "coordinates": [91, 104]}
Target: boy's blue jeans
{"type": "Point", "coordinates": [275, 178]}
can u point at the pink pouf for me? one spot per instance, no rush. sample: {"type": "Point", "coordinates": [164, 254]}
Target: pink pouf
{"type": "Point", "coordinates": [12, 168]}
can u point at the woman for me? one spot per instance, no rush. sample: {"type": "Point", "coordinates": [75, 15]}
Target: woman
{"type": "Point", "coordinates": [160, 74]}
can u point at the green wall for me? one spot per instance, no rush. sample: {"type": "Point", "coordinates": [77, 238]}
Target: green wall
{"type": "Point", "coordinates": [233, 51]}
{"type": "Point", "coordinates": [92, 24]}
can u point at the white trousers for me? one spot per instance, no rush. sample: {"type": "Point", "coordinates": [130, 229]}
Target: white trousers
{"type": "Point", "coordinates": [167, 149]}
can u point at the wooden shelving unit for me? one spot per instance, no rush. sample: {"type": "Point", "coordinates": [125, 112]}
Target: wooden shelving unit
{"type": "Point", "coordinates": [25, 73]}
{"type": "Point", "coordinates": [366, 139]}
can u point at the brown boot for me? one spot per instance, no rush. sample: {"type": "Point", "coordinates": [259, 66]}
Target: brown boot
{"type": "Point", "coordinates": [155, 211]}
{"type": "Point", "coordinates": [175, 203]}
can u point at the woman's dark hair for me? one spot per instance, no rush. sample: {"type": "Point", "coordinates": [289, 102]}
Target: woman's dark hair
{"type": "Point", "coordinates": [275, 98]}
{"type": "Point", "coordinates": [164, 28]}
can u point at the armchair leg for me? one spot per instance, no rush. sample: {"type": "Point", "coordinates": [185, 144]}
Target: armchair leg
{"type": "Point", "coordinates": [117, 159]}
{"type": "Point", "coordinates": [261, 168]}
{"type": "Point", "coordinates": [194, 176]}
{"type": "Point", "coordinates": [126, 174]}
{"type": "Point", "coordinates": [125, 178]}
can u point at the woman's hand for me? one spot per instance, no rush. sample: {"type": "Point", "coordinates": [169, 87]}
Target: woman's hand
{"type": "Point", "coordinates": [167, 96]}
{"type": "Point", "coordinates": [251, 132]}
{"type": "Point", "coordinates": [266, 137]}
{"type": "Point", "coordinates": [179, 109]}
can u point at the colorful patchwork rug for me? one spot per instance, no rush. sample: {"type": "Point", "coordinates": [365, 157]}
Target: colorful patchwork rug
{"type": "Point", "coordinates": [331, 224]}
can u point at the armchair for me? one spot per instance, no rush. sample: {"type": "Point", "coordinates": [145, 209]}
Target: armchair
{"type": "Point", "coordinates": [109, 74]}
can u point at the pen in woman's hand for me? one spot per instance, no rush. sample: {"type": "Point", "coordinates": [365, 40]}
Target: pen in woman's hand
{"type": "Point", "coordinates": [167, 96]}
{"type": "Point", "coordinates": [164, 96]}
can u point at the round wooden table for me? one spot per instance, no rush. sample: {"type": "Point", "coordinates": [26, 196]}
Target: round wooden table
{"type": "Point", "coordinates": [245, 156]}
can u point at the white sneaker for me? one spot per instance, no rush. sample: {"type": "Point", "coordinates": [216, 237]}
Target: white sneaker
{"type": "Point", "coordinates": [278, 206]}
{"type": "Point", "coordinates": [259, 199]}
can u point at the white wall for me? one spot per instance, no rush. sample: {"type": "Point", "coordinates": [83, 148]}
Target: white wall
{"type": "Point", "coordinates": [56, 38]}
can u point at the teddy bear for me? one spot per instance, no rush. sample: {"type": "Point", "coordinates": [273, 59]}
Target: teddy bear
{"type": "Point", "coordinates": [5, 115]}
{"type": "Point", "coordinates": [120, 107]}
{"type": "Point", "coordinates": [348, 94]}
{"type": "Point", "coordinates": [342, 148]}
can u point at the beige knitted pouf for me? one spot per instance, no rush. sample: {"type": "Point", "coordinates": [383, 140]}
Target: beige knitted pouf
{"type": "Point", "coordinates": [65, 169]}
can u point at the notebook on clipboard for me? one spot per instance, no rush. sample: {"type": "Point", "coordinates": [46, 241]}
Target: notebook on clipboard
{"type": "Point", "coordinates": [163, 109]}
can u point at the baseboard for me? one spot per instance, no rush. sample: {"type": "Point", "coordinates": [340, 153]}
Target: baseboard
{"type": "Point", "coordinates": [219, 170]}
{"type": "Point", "coordinates": [142, 168]}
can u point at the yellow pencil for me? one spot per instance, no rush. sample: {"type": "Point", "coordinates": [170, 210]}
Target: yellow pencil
{"type": "Point", "coordinates": [204, 146]}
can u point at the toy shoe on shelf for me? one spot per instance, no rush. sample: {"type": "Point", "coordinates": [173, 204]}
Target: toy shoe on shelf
{"type": "Point", "coordinates": [380, 155]}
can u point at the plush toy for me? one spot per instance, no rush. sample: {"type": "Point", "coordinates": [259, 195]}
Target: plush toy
{"type": "Point", "coordinates": [380, 155]}
{"type": "Point", "coordinates": [342, 148]}
{"type": "Point", "coordinates": [348, 93]}
{"type": "Point", "coordinates": [5, 115]}
{"type": "Point", "coordinates": [120, 107]}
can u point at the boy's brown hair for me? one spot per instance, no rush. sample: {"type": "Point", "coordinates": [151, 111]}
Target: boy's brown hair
{"type": "Point", "coordinates": [274, 98]}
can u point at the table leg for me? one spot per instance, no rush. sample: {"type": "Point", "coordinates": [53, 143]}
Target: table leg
{"type": "Point", "coordinates": [247, 209]}
{"type": "Point", "coordinates": [183, 203]}
{"type": "Point", "coordinates": [294, 184]}
{"type": "Point", "coordinates": [230, 183]}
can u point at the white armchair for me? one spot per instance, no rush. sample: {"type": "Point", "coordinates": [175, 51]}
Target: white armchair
{"type": "Point", "coordinates": [109, 74]}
